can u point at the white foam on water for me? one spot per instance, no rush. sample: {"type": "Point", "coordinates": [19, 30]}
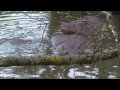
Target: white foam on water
{"type": "Point", "coordinates": [115, 66]}
{"type": "Point", "coordinates": [111, 77]}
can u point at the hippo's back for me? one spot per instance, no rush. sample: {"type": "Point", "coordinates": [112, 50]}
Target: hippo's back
{"type": "Point", "coordinates": [69, 44]}
{"type": "Point", "coordinates": [89, 23]}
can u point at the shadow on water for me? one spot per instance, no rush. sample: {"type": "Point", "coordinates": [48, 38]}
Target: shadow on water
{"type": "Point", "coordinates": [33, 26]}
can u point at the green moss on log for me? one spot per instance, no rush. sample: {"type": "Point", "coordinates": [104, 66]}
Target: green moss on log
{"type": "Point", "coordinates": [56, 59]}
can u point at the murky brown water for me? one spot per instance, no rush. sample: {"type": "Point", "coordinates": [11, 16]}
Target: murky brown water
{"type": "Point", "coordinates": [17, 24]}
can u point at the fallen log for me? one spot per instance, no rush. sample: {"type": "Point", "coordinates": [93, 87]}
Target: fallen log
{"type": "Point", "coordinates": [56, 60]}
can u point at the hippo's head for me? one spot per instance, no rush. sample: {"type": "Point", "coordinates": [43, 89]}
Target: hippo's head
{"type": "Point", "coordinates": [18, 41]}
{"type": "Point", "coordinates": [89, 23]}
{"type": "Point", "coordinates": [70, 28]}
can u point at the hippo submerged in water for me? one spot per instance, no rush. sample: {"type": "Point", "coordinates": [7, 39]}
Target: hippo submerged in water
{"type": "Point", "coordinates": [89, 23]}
{"type": "Point", "coordinates": [73, 39]}
{"type": "Point", "coordinates": [18, 41]}
{"type": "Point", "coordinates": [69, 44]}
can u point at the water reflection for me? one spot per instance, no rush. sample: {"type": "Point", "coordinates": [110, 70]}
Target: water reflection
{"type": "Point", "coordinates": [96, 71]}
{"type": "Point", "coordinates": [25, 26]}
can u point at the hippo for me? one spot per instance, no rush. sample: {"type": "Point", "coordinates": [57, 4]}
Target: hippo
{"type": "Point", "coordinates": [74, 37]}
{"type": "Point", "coordinates": [69, 44]}
{"type": "Point", "coordinates": [19, 41]}
{"type": "Point", "coordinates": [82, 27]}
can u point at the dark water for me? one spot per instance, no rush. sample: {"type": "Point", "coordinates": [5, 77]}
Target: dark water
{"type": "Point", "coordinates": [33, 26]}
